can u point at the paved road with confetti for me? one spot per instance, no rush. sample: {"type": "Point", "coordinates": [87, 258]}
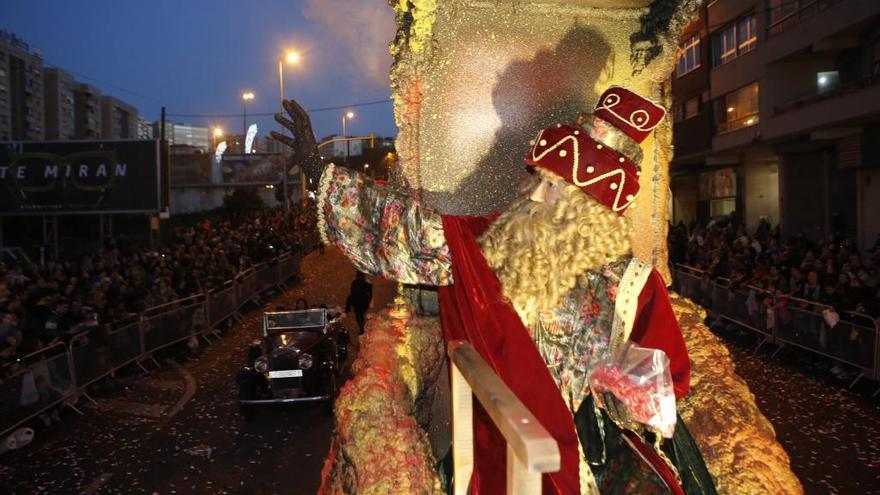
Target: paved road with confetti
{"type": "Point", "coordinates": [178, 430]}
{"type": "Point", "coordinates": [831, 434]}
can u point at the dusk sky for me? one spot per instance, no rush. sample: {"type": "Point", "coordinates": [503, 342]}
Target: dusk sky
{"type": "Point", "coordinates": [198, 56]}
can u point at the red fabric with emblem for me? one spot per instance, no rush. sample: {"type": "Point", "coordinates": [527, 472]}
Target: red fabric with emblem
{"type": "Point", "coordinates": [629, 112]}
{"type": "Point", "coordinates": [572, 154]}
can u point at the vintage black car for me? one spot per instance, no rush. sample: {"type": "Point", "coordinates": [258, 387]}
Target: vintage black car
{"type": "Point", "coordinates": [298, 360]}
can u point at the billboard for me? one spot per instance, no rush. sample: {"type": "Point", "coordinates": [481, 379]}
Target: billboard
{"type": "Point", "coordinates": [63, 177]}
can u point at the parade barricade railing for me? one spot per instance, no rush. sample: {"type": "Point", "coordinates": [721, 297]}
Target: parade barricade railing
{"type": "Point", "coordinates": [266, 276]}
{"type": "Point", "coordinates": [60, 373]}
{"type": "Point", "coordinates": [531, 450]}
{"type": "Point", "coordinates": [752, 308]}
{"type": "Point", "coordinates": [222, 303]}
{"type": "Point", "coordinates": [173, 323]}
{"type": "Point", "coordinates": [98, 353]}
{"type": "Point", "coordinates": [41, 380]}
{"type": "Point", "coordinates": [850, 337]}
{"type": "Point", "coordinates": [687, 282]}
{"type": "Point", "coordinates": [247, 286]}
{"type": "Point", "coordinates": [789, 321]}
{"type": "Point", "coordinates": [288, 266]}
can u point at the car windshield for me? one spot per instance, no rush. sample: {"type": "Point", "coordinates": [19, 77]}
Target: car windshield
{"type": "Point", "coordinates": [295, 320]}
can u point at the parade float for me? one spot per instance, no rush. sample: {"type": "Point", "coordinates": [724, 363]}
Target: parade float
{"type": "Point", "coordinates": [472, 82]}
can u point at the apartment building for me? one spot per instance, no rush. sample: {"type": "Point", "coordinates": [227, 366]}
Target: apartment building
{"type": "Point", "coordinates": [119, 120]}
{"type": "Point", "coordinates": [145, 129]}
{"type": "Point", "coordinates": [185, 135]}
{"type": "Point", "coordinates": [776, 108]}
{"type": "Point", "coordinates": [60, 94]}
{"type": "Point", "coordinates": [87, 112]}
{"type": "Point", "coordinates": [21, 90]}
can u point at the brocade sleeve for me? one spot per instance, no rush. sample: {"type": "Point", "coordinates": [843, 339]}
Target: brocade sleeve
{"type": "Point", "coordinates": [382, 231]}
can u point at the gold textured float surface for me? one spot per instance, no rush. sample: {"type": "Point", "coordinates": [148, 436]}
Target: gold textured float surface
{"type": "Point", "coordinates": [473, 81]}
{"type": "Point", "coordinates": [378, 446]}
{"type": "Point", "coordinates": [737, 441]}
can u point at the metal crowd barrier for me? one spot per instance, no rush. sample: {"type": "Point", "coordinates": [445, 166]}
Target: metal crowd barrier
{"type": "Point", "coordinates": [266, 276]}
{"type": "Point", "coordinates": [223, 303]}
{"type": "Point", "coordinates": [45, 380]}
{"type": "Point", "coordinates": [61, 373]}
{"type": "Point", "coordinates": [247, 287]}
{"type": "Point", "coordinates": [788, 321]}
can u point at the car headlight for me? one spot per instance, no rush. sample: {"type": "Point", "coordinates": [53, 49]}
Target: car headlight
{"type": "Point", "coordinates": [261, 364]}
{"type": "Point", "coordinates": [305, 361]}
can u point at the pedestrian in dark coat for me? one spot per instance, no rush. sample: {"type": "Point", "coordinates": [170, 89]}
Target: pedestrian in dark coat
{"type": "Point", "coordinates": [359, 298]}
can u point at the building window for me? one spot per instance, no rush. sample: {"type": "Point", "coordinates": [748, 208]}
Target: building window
{"type": "Point", "coordinates": [737, 109]}
{"type": "Point", "coordinates": [746, 34]}
{"type": "Point", "coordinates": [688, 56]}
{"type": "Point", "coordinates": [734, 40]}
{"type": "Point", "coordinates": [783, 14]}
{"type": "Point", "coordinates": [686, 109]}
{"type": "Point", "coordinates": [827, 81]}
{"type": "Point", "coordinates": [691, 107]}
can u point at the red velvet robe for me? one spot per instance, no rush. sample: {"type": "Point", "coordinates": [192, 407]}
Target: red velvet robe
{"type": "Point", "coordinates": [473, 309]}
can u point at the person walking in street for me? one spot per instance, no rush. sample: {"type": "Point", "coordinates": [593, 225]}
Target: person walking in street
{"type": "Point", "coordinates": [359, 298]}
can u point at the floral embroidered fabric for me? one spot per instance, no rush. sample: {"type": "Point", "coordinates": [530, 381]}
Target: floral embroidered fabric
{"type": "Point", "coordinates": [576, 336]}
{"type": "Point", "coordinates": [381, 230]}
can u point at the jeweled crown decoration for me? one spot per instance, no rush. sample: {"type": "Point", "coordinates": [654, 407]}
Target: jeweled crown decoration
{"type": "Point", "coordinates": [584, 159]}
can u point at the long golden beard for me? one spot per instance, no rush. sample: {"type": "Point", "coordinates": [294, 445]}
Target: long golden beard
{"type": "Point", "coordinates": [539, 251]}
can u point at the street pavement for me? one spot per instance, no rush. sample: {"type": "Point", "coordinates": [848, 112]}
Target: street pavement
{"type": "Point", "coordinates": [177, 430]}
{"type": "Point", "coordinates": [831, 433]}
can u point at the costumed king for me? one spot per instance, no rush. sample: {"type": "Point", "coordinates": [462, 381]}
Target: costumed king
{"type": "Point", "coordinates": [547, 292]}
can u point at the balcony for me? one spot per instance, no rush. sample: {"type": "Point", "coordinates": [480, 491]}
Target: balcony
{"type": "Point", "coordinates": [850, 103]}
{"type": "Point", "coordinates": [693, 136]}
{"type": "Point", "coordinates": [816, 96]}
{"type": "Point", "coordinates": [792, 12]}
{"type": "Point", "coordinates": [817, 26]}
{"type": "Point", "coordinates": [736, 134]}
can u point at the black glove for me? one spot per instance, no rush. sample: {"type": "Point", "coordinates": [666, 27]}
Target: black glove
{"type": "Point", "coordinates": [302, 142]}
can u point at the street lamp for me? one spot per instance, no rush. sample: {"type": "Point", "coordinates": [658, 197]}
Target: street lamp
{"type": "Point", "coordinates": [292, 58]}
{"type": "Point", "coordinates": [346, 116]}
{"type": "Point", "coordinates": [245, 97]}
{"type": "Point", "coordinates": [218, 133]}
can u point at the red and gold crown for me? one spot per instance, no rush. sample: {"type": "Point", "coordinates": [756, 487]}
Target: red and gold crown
{"type": "Point", "coordinates": [602, 156]}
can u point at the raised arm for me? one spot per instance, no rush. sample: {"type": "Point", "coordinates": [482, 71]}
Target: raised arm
{"type": "Point", "coordinates": [383, 232]}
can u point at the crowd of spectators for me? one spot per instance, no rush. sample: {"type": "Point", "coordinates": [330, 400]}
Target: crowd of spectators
{"type": "Point", "coordinates": [43, 305]}
{"type": "Point", "coordinates": [833, 272]}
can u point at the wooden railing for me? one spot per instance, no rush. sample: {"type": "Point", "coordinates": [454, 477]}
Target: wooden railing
{"type": "Point", "coordinates": [531, 450]}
